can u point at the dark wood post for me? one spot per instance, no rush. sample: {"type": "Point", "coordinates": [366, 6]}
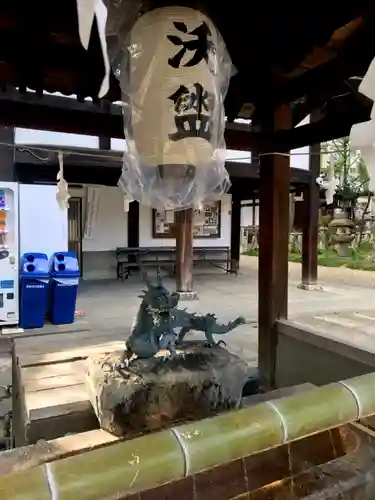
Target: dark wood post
{"type": "Point", "coordinates": [253, 213]}
{"type": "Point", "coordinates": [310, 228]}
{"type": "Point", "coordinates": [133, 228]}
{"type": "Point", "coordinates": [7, 167]}
{"type": "Point", "coordinates": [235, 239]}
{"type": "Point", "coordinates": [273, 245]}
{"type": "Point", "coordinates": [184, 254]}
{"type": "Point", "coordinates": [105, 141]}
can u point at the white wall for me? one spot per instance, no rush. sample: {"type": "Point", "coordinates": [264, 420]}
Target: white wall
{"type": "Point", "coordinates": [111, 229]}
{"type": "Point", "coordinates": [43, 224]}
{"type": "Point", "coordinates": [109, 232]}
{"type": "Point", "coordinates": [299, 158]}
{"type": "Point", "coordinates": [247, 216]}
{"type": "Point", "coordinates": [145, 229]}
{"type": "Point", "coordinates": [30, 136]}
{"type": "Point", "coordinates": [238, 156]}
{"type": "Point", "coordinates": [118, 144]}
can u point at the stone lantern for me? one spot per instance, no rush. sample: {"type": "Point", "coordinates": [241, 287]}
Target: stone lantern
{"type": "Point", "coordinates": [341, 232]}
{"type": "Point", "coordinates": [252, 237]}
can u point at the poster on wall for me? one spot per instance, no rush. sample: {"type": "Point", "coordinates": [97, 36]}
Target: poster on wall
{"type": "Point", "coordinates": [169, 216]}
{"type": "Point", "coordinates": [163, 223]}
{"type": "Point", "coordinates": [199, 217]}
{"type": "Point", "coordinates": [206, 222]}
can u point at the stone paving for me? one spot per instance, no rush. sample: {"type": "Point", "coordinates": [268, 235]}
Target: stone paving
{"type": "Point", "coordinates": [110, 305]}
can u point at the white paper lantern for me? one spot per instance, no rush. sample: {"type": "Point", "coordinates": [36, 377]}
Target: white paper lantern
{"type": "Point", "coordinates": [171, 85]}
{"type": "Point", "coordinates": [178, 72]}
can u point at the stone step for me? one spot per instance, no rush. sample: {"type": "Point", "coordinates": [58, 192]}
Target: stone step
{"type": "Point", "coordinates": [344, 320]}
{"type": "Point", "coordinates": [364, 321]}
{"type": "Point", "coordinates": [354, 336]}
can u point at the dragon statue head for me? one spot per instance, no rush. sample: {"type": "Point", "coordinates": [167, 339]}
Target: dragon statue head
{"type": "Point", "coordinates": [157, 299]}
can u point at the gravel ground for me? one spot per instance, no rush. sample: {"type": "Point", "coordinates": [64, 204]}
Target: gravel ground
{"type": "Point", "coordinates": [326, 275]}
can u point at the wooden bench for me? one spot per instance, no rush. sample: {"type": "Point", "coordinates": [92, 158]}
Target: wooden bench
{"type": "Point", "coordinates": [127, 258]}
{"type": "Point", "coordinates": [165, 257]}
{"type": "Point", "coordinates": [215, 256]}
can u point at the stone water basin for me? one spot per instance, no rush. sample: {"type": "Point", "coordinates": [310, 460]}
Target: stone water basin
{"type": "Point", "coordinates": [335, 465]}
{"type": "Point", "coordinates": [332, 465]}
{"type": "Point", "coordinates": [289, 448]}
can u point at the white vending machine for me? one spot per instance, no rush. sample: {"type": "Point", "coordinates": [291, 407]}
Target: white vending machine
{"type": "Point", "coordinates": [9, 254]}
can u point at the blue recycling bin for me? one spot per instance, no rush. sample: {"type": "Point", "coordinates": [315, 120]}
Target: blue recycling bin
{"type": "Point", "coordinates": [64, 272]}
{"type": "Point", "coordinates": [34, 289]}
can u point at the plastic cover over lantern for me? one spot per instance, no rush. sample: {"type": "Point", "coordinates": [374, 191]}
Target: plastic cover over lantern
{"type": "Point", "coordinates": [174, 72]}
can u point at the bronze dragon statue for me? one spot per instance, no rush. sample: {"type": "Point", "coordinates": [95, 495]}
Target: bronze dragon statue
{"type": "Point", "coordinates": [153, 331]}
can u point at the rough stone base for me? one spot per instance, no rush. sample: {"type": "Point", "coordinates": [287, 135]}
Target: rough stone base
{"type": "Point", "coordinates": [152, 394]}
{"type": "Point", "coordinates": [188, 296]}
{"type": "Point", "coordinates": [311, 288]}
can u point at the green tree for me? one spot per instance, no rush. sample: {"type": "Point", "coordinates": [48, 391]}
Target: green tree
{"type": "Point", "coordinates": [350, 171]}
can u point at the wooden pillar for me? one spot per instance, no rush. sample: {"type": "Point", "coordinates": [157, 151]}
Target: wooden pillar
{"type": "Point", "coordinates": [133, 228]}
{"type": "Point", "coordinates": [235, 239]}
{"type": "Point", "coordinates": [104, 141]}
{"type": "Point", "coordinates": [273, 245]}
{"type": "Point", "coordinates": [310, 228]}
{"type": "Point", "coordinates": [184, 254]}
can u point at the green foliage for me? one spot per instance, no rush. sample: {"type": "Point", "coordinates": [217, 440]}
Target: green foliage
{"type": "Point", "coordinates": [358, 258]}
{"type": "Point", "coordinates": [324, 220]}
{"type": "Point", "coordinates": [252, 252]}
{"type": "Point", "coordinates": [349, 169]}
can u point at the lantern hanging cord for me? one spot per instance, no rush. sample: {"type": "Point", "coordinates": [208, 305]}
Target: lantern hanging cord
{"type": "Point", "coordinates": [32, 150]}
{"type": "Point", "coordinates": [269, 153]}
{"type": "Point", "coordinates": [321, 153]}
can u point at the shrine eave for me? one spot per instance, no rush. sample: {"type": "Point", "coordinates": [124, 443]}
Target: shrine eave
{"type": "Point", "coordinates": [283, 52]}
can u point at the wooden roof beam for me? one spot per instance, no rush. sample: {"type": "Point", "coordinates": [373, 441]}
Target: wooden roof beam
{"type": "Point", "coordinates": [353, 59]}
{"type": "Point", "coordinates": [67, 115]}
{"type": "Point", "coordinates": [322, 54]}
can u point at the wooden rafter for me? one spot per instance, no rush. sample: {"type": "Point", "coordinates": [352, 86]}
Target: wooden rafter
{"type": "Point", "coordinates": [323, 54]}
{"type": "Point", "coordinates": [55, 61]}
